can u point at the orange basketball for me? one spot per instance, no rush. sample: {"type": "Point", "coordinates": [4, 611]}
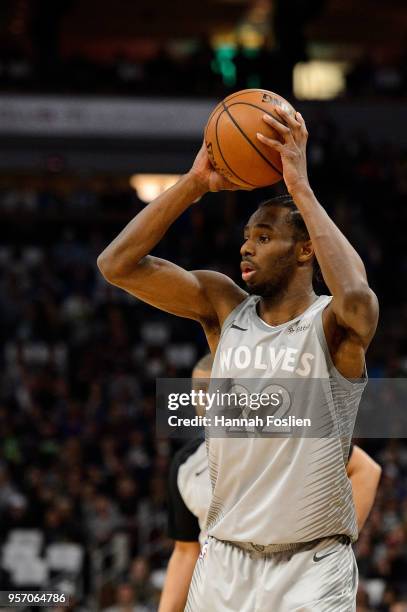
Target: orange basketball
{"type": "Point", "coordinates": [230, 137]}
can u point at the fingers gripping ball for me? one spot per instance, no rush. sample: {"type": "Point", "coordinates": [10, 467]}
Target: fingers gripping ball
{"type": "Point", "coordinates": [230, 137]}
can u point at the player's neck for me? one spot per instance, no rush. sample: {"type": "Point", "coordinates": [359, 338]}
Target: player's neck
{"type": "Point", "coordinates": [283, 308]}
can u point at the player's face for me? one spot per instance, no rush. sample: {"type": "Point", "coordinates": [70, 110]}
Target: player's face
{"type": "Point", "coordinates": [268, 252]}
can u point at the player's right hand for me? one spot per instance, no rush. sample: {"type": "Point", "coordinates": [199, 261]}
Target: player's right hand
{"type": "Point", "coordinates": [210, 180]}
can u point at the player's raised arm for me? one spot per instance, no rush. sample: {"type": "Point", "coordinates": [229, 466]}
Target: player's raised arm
{"type": "Point", "coordinates": [354, 305]}
{"type": "Point", "coordinates": [204, 296]}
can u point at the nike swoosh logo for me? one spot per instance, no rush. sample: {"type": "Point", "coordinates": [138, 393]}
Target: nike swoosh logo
{"type": "Point", "coordinates": [237, 327]}
{"type": "Point", "coordinates": [316, 559]}
{"type": "Point", "coordinates": [201, 472]}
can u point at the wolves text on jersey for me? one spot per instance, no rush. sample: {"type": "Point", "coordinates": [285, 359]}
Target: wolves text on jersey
{"type": "Point", "coordinates": [268, 358]}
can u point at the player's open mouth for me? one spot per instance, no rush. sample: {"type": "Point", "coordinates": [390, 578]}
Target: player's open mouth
{"type": "Point", "coordinates": [247, 271]}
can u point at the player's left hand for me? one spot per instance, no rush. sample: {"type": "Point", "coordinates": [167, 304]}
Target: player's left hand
{"type": "Point", "coordinates": [291, 146]}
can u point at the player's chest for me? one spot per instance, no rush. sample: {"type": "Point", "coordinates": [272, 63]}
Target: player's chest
{"type": "Point", "coordinates": [284, 353]}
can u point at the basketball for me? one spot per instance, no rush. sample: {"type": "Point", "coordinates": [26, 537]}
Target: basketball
{"type": "Point", "coordinates": [231, 142]}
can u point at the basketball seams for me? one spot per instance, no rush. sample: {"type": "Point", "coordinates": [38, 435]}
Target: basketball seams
{"type": "Point", "coordinates": [219, 106]}
{"type": "Point", "coordinates": [239, 93]}
{"type": "Point", "coordinates": [254, 90]}
{"type": "Point", "coordinates": [221, 111]}
{"type": "Point", "coordinates": [269, 113]}
{"type": "Point", "coordinates": [235, 123]}
{"type": "Point", "coordinates": [214, 135]}
{"type": "Point", "coordinates": [235, 95]}
{"type": "Point", "coordinates": [224, 160]}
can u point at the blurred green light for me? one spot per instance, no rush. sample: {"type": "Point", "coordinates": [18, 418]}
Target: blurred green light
{"type": "Point", "coordinates": [223, 64]}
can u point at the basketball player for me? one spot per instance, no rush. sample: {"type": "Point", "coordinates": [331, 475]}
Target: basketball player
{"type": "Point", "coordinates": [282, 517]}
{"type": "Point", "coordinates": [190, 495]}
{"type": "Point", "coordinates": [188, 503]}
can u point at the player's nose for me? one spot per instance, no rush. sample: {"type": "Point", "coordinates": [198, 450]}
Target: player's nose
{"type": "Point", "coordinates": [247, 248]}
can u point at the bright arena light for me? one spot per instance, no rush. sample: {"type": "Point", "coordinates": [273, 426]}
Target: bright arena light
{"type": "Point", "coordinates": [150, 186]}
{"type": "Point", "coordinates": [319, 80]}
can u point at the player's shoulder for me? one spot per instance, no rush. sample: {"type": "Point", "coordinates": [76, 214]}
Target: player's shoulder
{"type": "Point", "coordinates": [221, 290]}
{"type": "Point", "coordinates": [212, 280]}
{"type": "Point", "coordinates": [183, 454]}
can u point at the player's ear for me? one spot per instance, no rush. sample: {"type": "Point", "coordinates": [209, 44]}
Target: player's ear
{"type": "Point", "coordinates": [305, 251]}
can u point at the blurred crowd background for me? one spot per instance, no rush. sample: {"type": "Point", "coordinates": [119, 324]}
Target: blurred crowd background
{"type": "Point", "coordinates": [200, 71]}
{"type": "Point", "coordinates": [82, 474]}
{"type": "Point", "coordinates": [211, 48]}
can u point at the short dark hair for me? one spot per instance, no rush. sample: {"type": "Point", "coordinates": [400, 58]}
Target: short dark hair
{"type": "Point", "coordinates": [295, 219]}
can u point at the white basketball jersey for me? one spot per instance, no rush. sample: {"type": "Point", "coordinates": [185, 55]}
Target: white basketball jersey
{"type": "Point", "coordinates": [282, 490]}
{"type": "Point", "coordinates": [194, 484]}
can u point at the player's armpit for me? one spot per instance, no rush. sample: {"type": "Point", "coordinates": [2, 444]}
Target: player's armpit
{"type": "Point", "coordinates": [204, 295]}
{"type": "Point", "coordinates": [358, 312]}
{"type": "Point", "coordinates": [348, 334]}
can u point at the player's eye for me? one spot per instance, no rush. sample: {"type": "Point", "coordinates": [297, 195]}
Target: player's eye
{"type": "Point", "coordinates": [264, 238]}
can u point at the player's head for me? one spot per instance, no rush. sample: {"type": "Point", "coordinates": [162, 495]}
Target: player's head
{"type": "Point", "coordinates": [200, 377]}
{"type": "Point", "coordinates": [276, 248]}
{"type": "Point", "coordinates": [203, 367]}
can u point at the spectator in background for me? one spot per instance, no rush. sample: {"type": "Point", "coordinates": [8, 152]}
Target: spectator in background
{"type": "Point", "coordinates": [126, 600]}
{"type": "Point", "coordinates": [399, 606]}
{"type": "Point", "coordinates": [103, 519]}
{"type": "Point", "coordinates": [362, 600]}
{"type": "Point", "coordinates": [15, 516]}
{"type": "Point", "coordinates": [140, 579]}
{"type": "Point", "coordinates": [8, 492]}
